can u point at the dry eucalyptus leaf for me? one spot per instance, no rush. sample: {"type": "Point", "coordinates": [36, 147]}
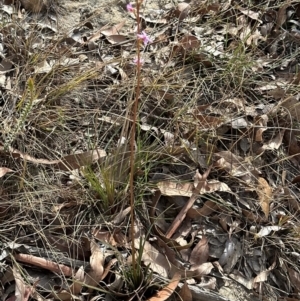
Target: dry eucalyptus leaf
{"type": "Point", "coordinates": [157, 261]}
{"type": "Point", "coordinates": [264, 231]}
{"type": "Point", "coordinates": [200, 253]}
{"type": "Point", "coordinates": [231, 254]}
{"type": "Point", "coordinates": [76, 286]}
{"type": "Point", "coordinates": [168, 290]}
{"type": "Point", "coordinates": [182, 11]}
{"type": "Point", "coordinates": [185, 293]}
{"type": "Point", "coordinates": [114, 30]}
{"type": "Point", "coordinates": [4, 171]}
{"type": "Point", "coordinates": [294, 278]}
{"type": "Point", "coordinates": [94, 276]}
{"type": "Point", "coordinates": [265, 194]}
{"type": "Point", "coordinates": [292, 104]}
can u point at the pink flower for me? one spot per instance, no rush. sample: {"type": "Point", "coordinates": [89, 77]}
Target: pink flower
{"type": "Point", "coordinates": [143, 36]}
{"type": "Point", "coordinates": [129, 8]}
{"type": "Point", "coordinates": [138, 62]}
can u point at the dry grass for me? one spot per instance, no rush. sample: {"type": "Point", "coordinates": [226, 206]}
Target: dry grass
{"type": "Point", "coordinates": [195, 105]}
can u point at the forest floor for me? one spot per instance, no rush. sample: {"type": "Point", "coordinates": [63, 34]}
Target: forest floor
{"type": "Point", "coordinates": [216, 151]}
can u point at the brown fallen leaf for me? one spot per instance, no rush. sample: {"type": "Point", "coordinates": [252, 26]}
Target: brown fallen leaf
{"type": "Point", "coordinates": [200, 253]}
{"type": "Point", "coordinates": [209, 122]}
{"type": "Point", "coordinates": [107, 267]}
{"type": "Point", "coordinates": [186, 43]}
{"type": "Point", "coordinates": [292, 105]}
{"type": "Point", "coordinates": [114, 30]}
{"type": "Point", "coordinates": [201, 270]}
{"type": "Point", "coordinates": [94, 276]}
{"type": "Point", "coordinates": [200, 182]}
{"type": "Point", "coordinates": [208, 208]}
{"type": "Point", "coordinates": [234, 165]}
{"type": "Point", "coordinates": [170, 188]}
{"type": "Point", "coordinates": [45, 264]}
{"type": "Point", "coordinates": [274, 143]}
{"type": "Point", "coordinates": [282, 15]}
{"type": "Point", "coordinates": [263, 275]}
{"type": "Point", "coordinates": [7, 277]}
{"type": "Point", "coordinates": [293, 146]}
{"type": "Point", "coordinates": [295, 279]}
{"type": "Point", "coordinates": [182, 11]}
{"type": "Point", "coordinates": [22, 291]}
{"type": "Point", "coordinates": [265, 194]}
{"type": "Point", "coordinates": [253, 217]}
{"type": "Point", "coordinates": [80, 249]}
{"type": "Point", "coordinates": [68, 162]}
{"type": "Point", "coordinates": [76, 286]}
{"type": "Point", "coordinates": [185, 293]}
{"type": "Point", "coordinates": [116, 38]}
{"type": "Point", "coordinates": [4, 171]}
{"type": "Point", "coordinates": [62, 295]}
{"type": "Point", "coordinates": [168, 290]}
{"type": "Point", "coordinates": [75, 161]}
{"type": "Point", "coordinates": [261, 124]}
{"type": "Point", "coordinates": [205, 9]}
{"type": "Point", "coordinates": [153, 257]}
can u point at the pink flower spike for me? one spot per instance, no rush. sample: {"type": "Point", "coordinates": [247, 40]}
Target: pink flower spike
{"type": "Point", "coordinates": [138, 62]}
{"type": "Point", "coordinates": [143, 36]}
{"type": "Point", "coordinates": [129, 8]}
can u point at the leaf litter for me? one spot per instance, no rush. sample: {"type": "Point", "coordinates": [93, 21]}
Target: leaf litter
{"type": "Point", "coordinates": [217, 154]}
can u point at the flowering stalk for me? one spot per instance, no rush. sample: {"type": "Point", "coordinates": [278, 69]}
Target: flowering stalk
{"type": "Point", "coordinates": [142, 38]}
{"type": "Point", "coordinates": [138, 62]}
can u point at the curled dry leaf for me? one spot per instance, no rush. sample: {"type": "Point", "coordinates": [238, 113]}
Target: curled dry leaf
{"type": "Point", "coordinates": [68, 162]}
{"type": "Point", "coordinates": [282, 15]}
{"type": "Point", "coordinates": [186, 43]}
{"type": "Point", "coordinates": [76, 286]}
{"type": "Point", "coordinates": [202, 270]}
{"type": "Point", "coordinates": [4, 171]}
{"type": "Point", "coordinates": [22, 291]}
{"type": "Point", "coordinates": [274, 143]}
{"type": "Point", "coordinates": [265, 194]}
{"type": "Point", "coordinates": [292, 104]}
{"type": "Point", "coordinates": [116, 39]}
{"type": "Point", "coordinates": [45, 264]}
{"type": "Point", "coordinates": [77, 160]}
{"type": "Point", "coordinates": [168, 290]}
{"type": "Point", "coordinates": [208, 208]}
{"type": "Point", "coordinates": [264, 231]}
{"type": "Point", "coordinates": [248, 283]}
{"type": "Point", "coordinates": [61, 294]}
{"type": "Point", "coordinates": [234, 165]}
{"type": "Point", "coordinates": [263, 275]}
{"type": "Point", "coordinates": [157, 261]}
{"type": "Point", "coordinates": [209, 122]}
{"type": "Point", "coordinates": [261, 122]}
{"type": "Point", "coordinates": [293, 146]}
{"type": "Point", "coordinates": [182, 11]}
{"type": "Point", "coordinates": [295, 279]}
{"type": "Point", "coordinates": [94, 276]}
{"type": "Point", "coordinates": [251, 14]}
{"type": "Point", "coordinates": [108, 266]}
{"type": "Point", "coordinates": [170, 188]}
{"type": "Point", "coordinates": [114, 30]}
{"type": "Point", "coordinates": [231, 254]}
{"type": "Point", "coordinates": [200, 253]}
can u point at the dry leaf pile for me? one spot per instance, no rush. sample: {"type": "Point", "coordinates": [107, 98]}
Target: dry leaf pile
{"type": "Point", "coordinates": [217, 153]}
